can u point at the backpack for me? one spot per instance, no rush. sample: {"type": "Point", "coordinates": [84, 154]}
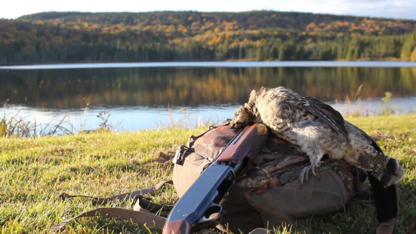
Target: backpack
{"type": "Point", "coordinates": [268, 194]}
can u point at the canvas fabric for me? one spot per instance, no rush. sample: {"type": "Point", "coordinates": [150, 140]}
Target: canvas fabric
{"type": "Point", "coordinates": [270, 192]}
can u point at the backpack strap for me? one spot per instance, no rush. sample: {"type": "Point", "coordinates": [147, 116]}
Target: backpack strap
{"type": "Point", "coordinates": [341, 185]}
{"type": "Point", "coordinates": [261, 231]}
{"type": "Point", "coordinates": [182, 149]}
{"type": "Point", "coordinates": [386, 201]}
{"type": "Point", "coordinates": [138, 214]}
{"type": "Point", "coordinates": [193, 138]}
{"type": "Point", "coordinates": [124, 196]}
{"type": "Point", "coordinates": [387, 205]}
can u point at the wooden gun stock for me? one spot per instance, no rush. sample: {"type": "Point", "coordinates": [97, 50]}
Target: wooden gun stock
{"type": "Point", "coordinates": [250, 140]}
{"type": "Point", "coordinates": [177, 227]}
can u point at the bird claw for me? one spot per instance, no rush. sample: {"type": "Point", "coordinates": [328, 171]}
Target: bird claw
{"type": "Point", "coordinates": [317, 173]}
{"type": "Point", "coordinates": [304, 174]}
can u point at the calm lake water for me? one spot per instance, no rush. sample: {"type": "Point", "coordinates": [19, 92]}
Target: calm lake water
{"type": "Point", "coordinates": [150, 95]}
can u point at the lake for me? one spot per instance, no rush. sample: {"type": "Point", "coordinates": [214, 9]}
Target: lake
{"type": "Point", "coordinates": [150, 95]}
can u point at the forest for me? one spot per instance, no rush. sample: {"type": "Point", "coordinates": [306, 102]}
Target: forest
{"type": "Point", "coordinates": [56, 37]}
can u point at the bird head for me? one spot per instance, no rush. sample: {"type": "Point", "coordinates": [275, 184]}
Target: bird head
{"type": "Point", "coordinates": [242, 118]}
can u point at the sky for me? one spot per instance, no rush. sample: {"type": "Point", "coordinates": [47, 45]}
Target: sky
{"type": "Point", "coordinates": [403, 9]}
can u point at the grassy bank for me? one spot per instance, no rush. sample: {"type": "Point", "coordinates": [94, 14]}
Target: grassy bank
{"type": "Point", "coordinates": [33, 172]}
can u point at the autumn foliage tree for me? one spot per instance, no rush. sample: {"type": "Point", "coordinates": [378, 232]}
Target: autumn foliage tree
{"type": "Point", "coordinates": [182, 36]}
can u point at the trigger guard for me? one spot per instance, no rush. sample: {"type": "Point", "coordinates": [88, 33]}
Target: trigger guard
{"type": "Point", "coordinates": [206, 221]}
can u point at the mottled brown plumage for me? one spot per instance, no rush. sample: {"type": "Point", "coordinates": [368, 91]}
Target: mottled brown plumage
{"type": "Point", "coordinates": [317, 129]}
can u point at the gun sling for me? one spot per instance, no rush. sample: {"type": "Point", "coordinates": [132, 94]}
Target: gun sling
{"type": "Point", "coordinates": [138, 214]}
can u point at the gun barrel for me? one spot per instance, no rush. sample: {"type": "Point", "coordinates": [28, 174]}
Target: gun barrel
{"type": "Point", "coordinates": [194, 211]}
{"type": "Point", "coordinates": [206, 191]}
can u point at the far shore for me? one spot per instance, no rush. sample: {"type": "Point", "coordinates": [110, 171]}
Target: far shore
{"type": "Point", "coordinates": [389, 59]}
{"type": "Point", "coordinates": [228, 63]}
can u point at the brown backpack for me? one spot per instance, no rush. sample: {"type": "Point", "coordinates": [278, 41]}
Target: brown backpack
{"type": "Point", "coordinates": [270, 192]}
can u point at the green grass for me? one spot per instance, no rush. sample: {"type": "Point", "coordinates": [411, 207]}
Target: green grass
{"type": "Point", "coordinates": [34, 171]}
{"type": "Point", "coordinates": [18, 126]}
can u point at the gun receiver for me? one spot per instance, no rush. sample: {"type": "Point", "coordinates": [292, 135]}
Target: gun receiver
{"type": "Point", "coordinates": [199, 207]}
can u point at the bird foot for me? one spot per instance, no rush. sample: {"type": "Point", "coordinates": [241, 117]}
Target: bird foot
{"type": "Point", "coordinates": [304, 174]}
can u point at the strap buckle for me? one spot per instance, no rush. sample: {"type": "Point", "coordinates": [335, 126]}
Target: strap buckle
{"type": "Point", "coordinates": [180, 154]}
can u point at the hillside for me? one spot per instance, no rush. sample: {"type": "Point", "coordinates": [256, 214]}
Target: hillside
{"type": "Point", "coordinates": [197, 23]}
{"type": "Point", "coordinates": [172, 36]}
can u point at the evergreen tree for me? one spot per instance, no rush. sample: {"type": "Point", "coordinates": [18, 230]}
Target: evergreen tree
{"type": "Point", "coordinates": [408, 47]}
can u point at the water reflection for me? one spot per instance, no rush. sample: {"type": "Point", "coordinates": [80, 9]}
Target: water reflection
{"type": "Point", "coordinates": [192, 87]}
{"type": "Point", "coordinates": [137, 98]}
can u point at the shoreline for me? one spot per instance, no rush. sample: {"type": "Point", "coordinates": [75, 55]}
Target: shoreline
{"type": "Point", "coordinates": [242, 64]}
{"type": "Point", "coordinates": [389, 59]}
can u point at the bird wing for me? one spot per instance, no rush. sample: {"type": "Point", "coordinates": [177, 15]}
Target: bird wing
{"type": "Point", "coordinates": [326, 113]}
{"type": "Point", "coordinates": [369, 138]}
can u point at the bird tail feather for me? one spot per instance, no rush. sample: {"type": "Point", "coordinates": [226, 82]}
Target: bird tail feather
{"type": "Point", "coordinates": [391, 174]}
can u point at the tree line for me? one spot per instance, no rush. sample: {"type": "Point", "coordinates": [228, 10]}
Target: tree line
{"type": "Point", "coordinates": [181, 36]}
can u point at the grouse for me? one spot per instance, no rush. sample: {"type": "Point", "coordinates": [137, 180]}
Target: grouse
{"type": "Point", "coordinates": [317, 130]}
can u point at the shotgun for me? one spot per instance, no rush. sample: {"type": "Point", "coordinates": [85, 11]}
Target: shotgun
{"type": "Point", "coordinates": [199, 207]}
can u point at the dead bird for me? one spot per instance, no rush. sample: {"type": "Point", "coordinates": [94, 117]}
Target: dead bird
{"type": "Point", "coordinates": [317, 130]}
